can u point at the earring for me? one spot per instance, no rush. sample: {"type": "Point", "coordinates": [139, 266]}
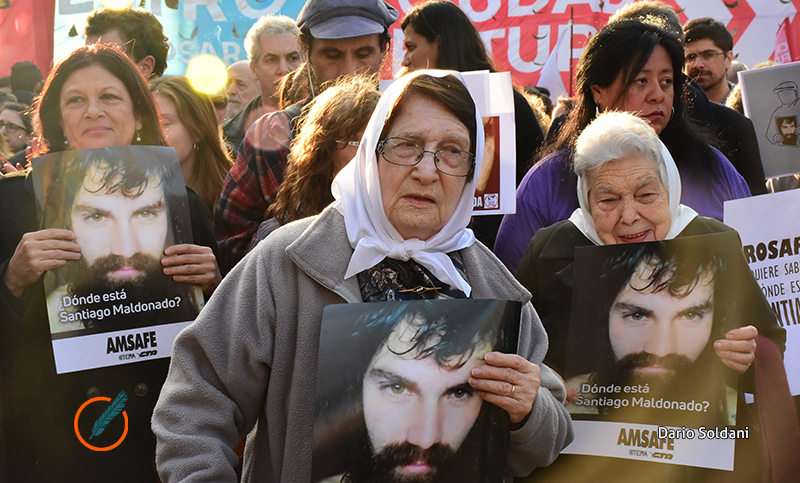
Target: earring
{"type": "Point", "coordinates": [138, 137]}
{"type": "Point", "coordinates": [66, 143]}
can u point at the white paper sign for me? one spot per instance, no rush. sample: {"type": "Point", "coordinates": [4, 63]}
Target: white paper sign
{"type": "Point", "coordinates": [770, 237]}
{"type": "Point", "coordinates": [772, 101]}
{"type": "Point", "coordinates": [703, 447]}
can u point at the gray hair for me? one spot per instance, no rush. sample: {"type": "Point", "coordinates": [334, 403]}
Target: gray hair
{"type": "Point", "coordinates": [268, 25]}
{"type": "Point", "coordinates": [616, 135]}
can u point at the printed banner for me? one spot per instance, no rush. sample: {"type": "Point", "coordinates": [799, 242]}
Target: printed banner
{"type": "Point", "coordinates": [770, 235]}
{"type": "Point", "coordinates": [125, 205]}
{"type": "Point", "coordinates": [640, 349]}
{"type": "Point", "coordinates": [772, 101]}
{"type": "Point", "coordinates": [519, 34]}
{"type": "Point", "coordinates": [393, 395]}
{"type": "Point", "coordinates": [665, 444]}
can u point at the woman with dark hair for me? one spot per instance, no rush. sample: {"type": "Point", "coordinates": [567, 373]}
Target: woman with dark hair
{"type": "Point", "coordinates": [328, 138]}
{"type": "Point", "coordinates": [191, 128]}
{"type": "Point", "coordinates": [634, 67]}
{"type": "Point", "coordinates": [94, 98]}
{"type": "Point", "coordinates": [439, 35]}
{"type": "Point", "coordinates": [55, 107]}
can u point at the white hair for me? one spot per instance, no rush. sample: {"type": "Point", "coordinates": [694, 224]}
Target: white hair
{"type": "Point", "coordinates": [616, 135]}
{"type": "Point", "coordinates": [268, 25]}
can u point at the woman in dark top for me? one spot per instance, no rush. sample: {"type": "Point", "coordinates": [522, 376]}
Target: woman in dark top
{"type": "Point", "coordinates": [93, 98]}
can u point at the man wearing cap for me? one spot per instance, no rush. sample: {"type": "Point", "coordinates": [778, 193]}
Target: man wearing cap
{"type": "Point", "coordinates": [339, 37]}
{"type": "Point", "coordinates": [789, 108]}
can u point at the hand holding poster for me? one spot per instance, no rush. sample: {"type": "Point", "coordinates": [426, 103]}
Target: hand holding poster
{"type": "Point", "coordinates": [393, 397]}
{"type": "Point", "coordinates": [124, 205]}
{"type": "Point", "coordinates": [641, 350]}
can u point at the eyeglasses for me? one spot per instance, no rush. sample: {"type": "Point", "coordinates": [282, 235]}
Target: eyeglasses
{"type": "Point", "coordinates": [706, 56]}
{"type": "Point", "coordinates": [404, 152]}
{"type": "Point", "coordinates": [344, 144]}
{"type": "Point", "coordinates": [11, 127]}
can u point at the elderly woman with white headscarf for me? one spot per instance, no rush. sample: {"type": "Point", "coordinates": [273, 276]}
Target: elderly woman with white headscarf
{"type": "Point", "coordinates": [628, 191]}
{"type": "Point", "coordinates": [397, 230]}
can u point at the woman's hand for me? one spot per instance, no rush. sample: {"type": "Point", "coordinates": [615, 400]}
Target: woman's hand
{"type": "Point", "coordinates": [572, 393]}
{"type": "Point", "coordinates": [738, 349]}
{"type": "Point", "coordinates": [192, 264]}
{"type": "Point", "coordinates": [509, 381]}
{"type": "Point", "coordinates": [37, 252]}
{"type": "Point", "coordinates": [9, 168]}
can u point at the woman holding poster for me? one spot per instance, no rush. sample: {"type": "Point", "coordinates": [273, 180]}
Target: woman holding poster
{"type": "Point", "coordinates": [629, 190]}
{"type": "Point", "coordinates": [637, 68]}
{"type": "Point", "coordinates": [397, 231]}
{"type": "Point", "coordinates": [86, 425]}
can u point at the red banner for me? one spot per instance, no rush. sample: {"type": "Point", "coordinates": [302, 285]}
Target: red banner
{"type": "Point", "coordinates": [783, 44]}
{"type": "Point", "coordinates": [520, 34]}
{"type": "Point", "coordinates": [26, 33]}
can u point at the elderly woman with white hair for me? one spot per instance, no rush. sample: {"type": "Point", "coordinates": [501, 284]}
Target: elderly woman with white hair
{"type": "Point", "coordinates": [629, 191]}
{"type": "Point", "coordinates": [396, 230]}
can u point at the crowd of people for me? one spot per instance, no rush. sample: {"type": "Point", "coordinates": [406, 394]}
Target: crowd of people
{"type": "Point", "coordinates": [308, 187]}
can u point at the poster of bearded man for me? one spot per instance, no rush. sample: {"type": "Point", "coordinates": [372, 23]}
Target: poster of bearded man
{"type": "Point", "coordinates": [393, 399]}
{"type": "Point", "coordinates": [125, 205]}
{"type": "Point", "coordinates": [640, 353]}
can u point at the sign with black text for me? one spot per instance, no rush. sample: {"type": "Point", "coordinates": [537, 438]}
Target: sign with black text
{"type": "Point", "coordinates": [771, 240]}
{"type": "Point", "coordinates": [124, 205]}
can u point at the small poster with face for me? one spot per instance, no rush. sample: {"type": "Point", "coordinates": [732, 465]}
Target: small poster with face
{"type": "Point", "coordinates": [393, 400]}
{"type": "Point", "coordinates": [771, 99]}
{"type": "Point", "coordinates": [495, 192]}
{"type": "Point", "coordinates": [125, 205]}
{"type": "Point", "coordinates": [641, 355]}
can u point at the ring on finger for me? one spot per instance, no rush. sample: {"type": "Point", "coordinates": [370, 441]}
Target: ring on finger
{"type": "Point", "coordinates": [513, 388]}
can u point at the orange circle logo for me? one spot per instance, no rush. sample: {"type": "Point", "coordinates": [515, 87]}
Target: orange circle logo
{"type": "Point", "coordinates": [83, 441]}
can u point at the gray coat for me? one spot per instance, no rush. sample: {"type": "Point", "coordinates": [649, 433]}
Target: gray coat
{"type": "Point", "coordinates": [251, 358]}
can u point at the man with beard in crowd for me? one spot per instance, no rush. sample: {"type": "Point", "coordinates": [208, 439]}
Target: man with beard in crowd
{"type": "Point", "coordinates": [422, 421]}
{"type": "Point", "coordinates": [709, 53]}
{"type": "Point", "coordinates": [119, 208]}
{"type": "Point", "coordinates": [656, 331]}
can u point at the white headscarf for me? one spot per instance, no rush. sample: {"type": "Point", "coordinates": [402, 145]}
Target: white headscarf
{"type": "Point", "coordinates": [357, 191]}
{"type": "Point", "coordinates": [681, 214]}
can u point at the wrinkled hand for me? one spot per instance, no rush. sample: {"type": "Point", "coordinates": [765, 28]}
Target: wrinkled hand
{"type": "Point", "coordinates": [37, 252]}
{"type": "Point", "coordinates": [508, 381]}
{"type": "Point", "coordinates": [192, 264]}
{"type": "Point", "coordinates": [738, 349]}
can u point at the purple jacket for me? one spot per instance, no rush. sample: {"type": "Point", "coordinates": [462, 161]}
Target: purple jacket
{"type": "Point", "coordinates": [548, 194]}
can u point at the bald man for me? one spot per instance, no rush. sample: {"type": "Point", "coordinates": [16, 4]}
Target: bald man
{"type": "Point", "coordinates": [241, 87]}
